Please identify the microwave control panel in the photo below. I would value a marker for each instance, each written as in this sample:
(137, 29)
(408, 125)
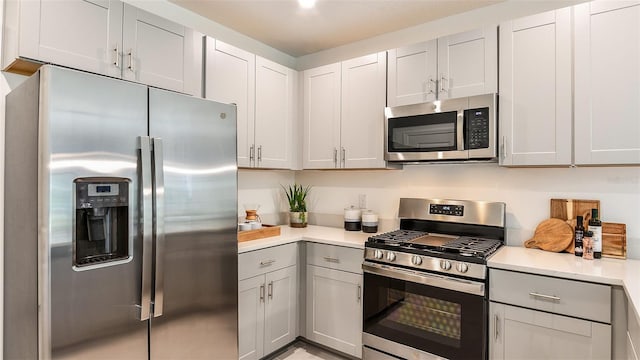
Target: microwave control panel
(477, 128)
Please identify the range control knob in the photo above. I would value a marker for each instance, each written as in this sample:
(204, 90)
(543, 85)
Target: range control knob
(462, 267)
(445, 265)
(416, 260)
(378, 254)
(391, 256)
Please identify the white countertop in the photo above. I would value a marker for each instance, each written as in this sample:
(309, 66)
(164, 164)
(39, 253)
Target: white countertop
(321, 234)
(625, 273)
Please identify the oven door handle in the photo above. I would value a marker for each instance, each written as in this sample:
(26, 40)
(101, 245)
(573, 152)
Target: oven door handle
(444, 282)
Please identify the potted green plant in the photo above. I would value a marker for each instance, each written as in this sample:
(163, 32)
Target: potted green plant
(297, 197)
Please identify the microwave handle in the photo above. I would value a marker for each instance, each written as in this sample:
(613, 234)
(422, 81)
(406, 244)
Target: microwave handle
(462, 130)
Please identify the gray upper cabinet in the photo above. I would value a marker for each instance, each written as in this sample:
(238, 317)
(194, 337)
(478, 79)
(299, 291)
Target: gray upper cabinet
(453, 66)
(607, 83)
(535, 90)
(105, 37)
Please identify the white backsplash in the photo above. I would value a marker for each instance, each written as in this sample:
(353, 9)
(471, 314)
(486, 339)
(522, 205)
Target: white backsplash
(526, 191)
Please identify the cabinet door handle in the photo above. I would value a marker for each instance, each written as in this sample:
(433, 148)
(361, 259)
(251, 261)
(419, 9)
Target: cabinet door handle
(262, 293)
(259, 154)
(271, 290)
(429, 88)
(131, 60)
(267, 262)
(442, 80)
(359, 294)
(545, 297)
(252, 152)
(335, 157)
(344, 157)
(331, 260)
(496, 321)
(116, 62)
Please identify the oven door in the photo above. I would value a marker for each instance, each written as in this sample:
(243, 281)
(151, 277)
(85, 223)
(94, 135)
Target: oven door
(406, 310)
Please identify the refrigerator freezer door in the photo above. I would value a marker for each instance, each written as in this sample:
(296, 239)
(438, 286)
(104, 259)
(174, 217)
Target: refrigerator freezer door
(199, 254)
(88, 128)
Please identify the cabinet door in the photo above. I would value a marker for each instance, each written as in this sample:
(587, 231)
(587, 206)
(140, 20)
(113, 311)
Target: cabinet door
(321, 138)
(334, 309)
(281, 308)
(362, 111)
(85, 35)
(230, 78)
(535, 89)
(607, 86)
(274, 114)
(251, 297)
(468, 63)
(412, 74)
(519, 333)
(160, 53)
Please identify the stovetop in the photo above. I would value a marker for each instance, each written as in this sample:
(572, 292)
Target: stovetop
(414, 241)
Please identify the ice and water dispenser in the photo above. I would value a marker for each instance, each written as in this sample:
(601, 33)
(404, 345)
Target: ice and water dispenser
(101, 231)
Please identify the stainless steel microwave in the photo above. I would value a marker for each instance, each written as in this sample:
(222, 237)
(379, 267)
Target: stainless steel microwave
(452, 129)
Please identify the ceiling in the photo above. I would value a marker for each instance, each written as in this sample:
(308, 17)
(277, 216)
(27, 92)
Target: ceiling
(283, 25)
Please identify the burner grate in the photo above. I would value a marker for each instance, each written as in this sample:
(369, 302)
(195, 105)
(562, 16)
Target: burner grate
(469, 246)
(397, 237)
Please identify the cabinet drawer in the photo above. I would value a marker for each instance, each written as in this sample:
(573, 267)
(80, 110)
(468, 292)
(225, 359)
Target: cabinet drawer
(335, 257)
(266, 260)
(561, 296)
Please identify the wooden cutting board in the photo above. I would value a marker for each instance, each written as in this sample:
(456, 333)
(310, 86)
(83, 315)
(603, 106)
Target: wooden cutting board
(551, 235)
(614, 235)
(568, 209)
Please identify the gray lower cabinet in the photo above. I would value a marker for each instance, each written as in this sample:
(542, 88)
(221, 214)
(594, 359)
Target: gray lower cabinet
(540, 317)
(267, 302)
(519, 333)
(633, 335)
(334, 297)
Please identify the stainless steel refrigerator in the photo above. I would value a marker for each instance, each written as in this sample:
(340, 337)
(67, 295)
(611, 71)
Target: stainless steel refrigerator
(120, 221)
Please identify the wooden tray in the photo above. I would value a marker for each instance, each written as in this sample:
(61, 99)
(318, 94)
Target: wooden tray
(614, 240)
(264, 232)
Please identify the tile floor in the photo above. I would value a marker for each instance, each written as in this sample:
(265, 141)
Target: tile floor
(301, 350)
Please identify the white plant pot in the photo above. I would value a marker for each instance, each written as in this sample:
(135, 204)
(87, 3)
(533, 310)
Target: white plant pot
(298, 219)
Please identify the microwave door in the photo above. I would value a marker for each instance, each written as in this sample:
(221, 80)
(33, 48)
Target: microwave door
(459, 106)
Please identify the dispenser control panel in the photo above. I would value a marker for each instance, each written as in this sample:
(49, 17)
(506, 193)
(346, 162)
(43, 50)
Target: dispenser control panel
(97, 194)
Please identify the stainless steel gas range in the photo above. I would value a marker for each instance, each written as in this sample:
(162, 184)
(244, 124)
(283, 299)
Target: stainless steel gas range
(426, 284)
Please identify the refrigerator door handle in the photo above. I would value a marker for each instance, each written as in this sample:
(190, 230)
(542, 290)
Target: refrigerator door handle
(158, 221)
(146, 216)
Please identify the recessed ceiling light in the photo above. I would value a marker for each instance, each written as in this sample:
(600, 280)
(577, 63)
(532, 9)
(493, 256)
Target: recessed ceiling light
(307, 4)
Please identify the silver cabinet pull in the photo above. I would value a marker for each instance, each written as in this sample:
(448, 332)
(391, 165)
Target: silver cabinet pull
(335, 157)
(267, 262)
(146, 216)
(130, 54)
(496, 320)
(259, 154)
(359, 295)
(429, 88)
(331, 260)
(252, 151)
(158, 224)
(116, 62)
(503, 147)
(344, 157)
(271, 290)
(442, 80)
(262, 293)
(545, 297)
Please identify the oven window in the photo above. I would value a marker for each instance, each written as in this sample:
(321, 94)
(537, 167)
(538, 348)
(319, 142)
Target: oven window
(431, 132)
(438, 321)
